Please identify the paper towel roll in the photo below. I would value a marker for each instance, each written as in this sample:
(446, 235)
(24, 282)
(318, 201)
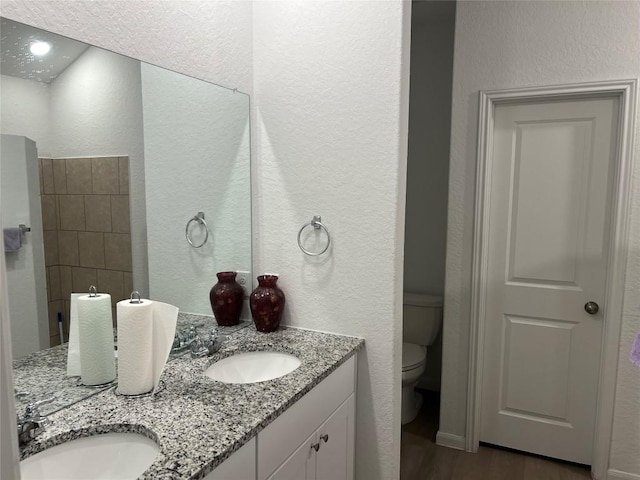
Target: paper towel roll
(73, 350)
(145, 335)
(95, 329)
(135, 347)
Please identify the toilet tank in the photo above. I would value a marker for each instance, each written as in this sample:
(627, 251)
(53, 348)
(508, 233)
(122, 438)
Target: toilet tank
(422, 318)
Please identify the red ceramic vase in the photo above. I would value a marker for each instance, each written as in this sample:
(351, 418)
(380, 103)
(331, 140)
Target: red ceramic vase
(226, 299)
(267, 304)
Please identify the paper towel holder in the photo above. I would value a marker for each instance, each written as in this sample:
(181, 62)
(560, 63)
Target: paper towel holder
(136, 294)
(93, 291)
(161, 387)
(101, 386)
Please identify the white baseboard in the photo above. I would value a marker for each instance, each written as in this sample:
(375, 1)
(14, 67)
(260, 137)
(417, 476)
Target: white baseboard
(450, 440)
(618, 475)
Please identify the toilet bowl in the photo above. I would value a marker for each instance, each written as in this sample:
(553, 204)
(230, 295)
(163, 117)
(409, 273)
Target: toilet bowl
(413, 363)
(422, 319)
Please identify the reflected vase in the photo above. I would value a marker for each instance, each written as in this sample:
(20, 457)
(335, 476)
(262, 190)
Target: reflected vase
(267, 304)
(226, 299)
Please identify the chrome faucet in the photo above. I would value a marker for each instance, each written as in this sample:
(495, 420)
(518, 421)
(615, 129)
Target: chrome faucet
(32, 424)
(183, 339)
(208, 346)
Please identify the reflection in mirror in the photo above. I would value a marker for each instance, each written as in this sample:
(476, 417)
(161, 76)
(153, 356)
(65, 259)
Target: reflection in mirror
(105, 159)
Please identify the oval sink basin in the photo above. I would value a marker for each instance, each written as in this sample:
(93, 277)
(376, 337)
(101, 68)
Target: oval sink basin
(252, 367)
(109, 456)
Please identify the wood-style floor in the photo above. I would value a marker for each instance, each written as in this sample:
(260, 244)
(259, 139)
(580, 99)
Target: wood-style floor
(422, 459)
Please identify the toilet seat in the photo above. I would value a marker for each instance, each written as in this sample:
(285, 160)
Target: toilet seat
(413, 356)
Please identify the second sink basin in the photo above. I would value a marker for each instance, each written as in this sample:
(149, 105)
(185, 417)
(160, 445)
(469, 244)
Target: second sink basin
(108, 456)
(252, 367)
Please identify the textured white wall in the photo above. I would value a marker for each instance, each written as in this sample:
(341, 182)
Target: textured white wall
(26, 287)
(25, 111)
(515, 44)
(197, 158)
(206, 39)
(330, 139)
(96, 110)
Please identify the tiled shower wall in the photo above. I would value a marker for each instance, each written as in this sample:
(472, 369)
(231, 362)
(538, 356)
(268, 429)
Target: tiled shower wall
(87, 241)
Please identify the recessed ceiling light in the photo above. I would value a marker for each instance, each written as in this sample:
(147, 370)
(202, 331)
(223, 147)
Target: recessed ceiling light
(40, 48)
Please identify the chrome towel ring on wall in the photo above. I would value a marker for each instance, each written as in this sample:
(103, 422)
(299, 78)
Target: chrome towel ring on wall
(317, 224)
(199, 218)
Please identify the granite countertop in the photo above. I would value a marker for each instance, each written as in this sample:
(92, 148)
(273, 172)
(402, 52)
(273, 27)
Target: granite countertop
(199, 422)
(43, 374)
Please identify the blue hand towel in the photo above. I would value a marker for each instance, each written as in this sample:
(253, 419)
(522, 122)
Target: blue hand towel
(12, 239)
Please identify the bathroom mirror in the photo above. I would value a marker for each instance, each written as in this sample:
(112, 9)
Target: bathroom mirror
(106, 162)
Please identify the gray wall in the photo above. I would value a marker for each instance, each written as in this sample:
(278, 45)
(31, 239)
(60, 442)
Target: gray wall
(432, 31)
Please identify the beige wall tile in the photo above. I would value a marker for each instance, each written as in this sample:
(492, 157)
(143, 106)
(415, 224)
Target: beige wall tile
(123, 169)
(68, 247)
(105, 175)
(117, 251)
(48, 186)
(97, 210)
(72, 214)
(51, 255)
(55, 307)
(120, 216)
(57, 197)
(47, 274)
(83, 278)
(78, 175)
(128, 284)
(91, 249)
(40, 176)
(67, 318)
(54, 284)
(49, 212)
(111, 282)
(66, 283)
(59, 176)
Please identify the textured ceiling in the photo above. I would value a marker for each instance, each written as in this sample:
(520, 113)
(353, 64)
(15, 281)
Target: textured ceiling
(17, 61)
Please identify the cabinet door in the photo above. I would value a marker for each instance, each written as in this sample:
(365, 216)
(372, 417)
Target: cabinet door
(334, 459)
(299, 466)
(241, 465)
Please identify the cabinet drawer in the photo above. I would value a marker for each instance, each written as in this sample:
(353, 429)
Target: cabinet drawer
(282, 437)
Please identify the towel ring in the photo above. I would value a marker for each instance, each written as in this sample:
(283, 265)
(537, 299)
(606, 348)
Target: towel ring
(200, 219)
(316, 223)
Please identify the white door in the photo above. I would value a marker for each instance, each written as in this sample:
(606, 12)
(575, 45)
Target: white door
(551, 190)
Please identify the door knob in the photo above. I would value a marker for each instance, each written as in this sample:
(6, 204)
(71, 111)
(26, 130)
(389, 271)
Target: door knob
(591, 308)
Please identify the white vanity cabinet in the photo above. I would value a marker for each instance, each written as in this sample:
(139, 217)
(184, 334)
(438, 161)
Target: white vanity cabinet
(325, 455)
(294, 445)
(312, 440)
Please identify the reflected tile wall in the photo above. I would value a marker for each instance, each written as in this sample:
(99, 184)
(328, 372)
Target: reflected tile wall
(86, 223)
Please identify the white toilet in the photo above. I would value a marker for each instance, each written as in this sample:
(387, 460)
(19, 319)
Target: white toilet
(422, 319)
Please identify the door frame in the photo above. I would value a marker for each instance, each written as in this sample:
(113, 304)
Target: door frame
(626, 91)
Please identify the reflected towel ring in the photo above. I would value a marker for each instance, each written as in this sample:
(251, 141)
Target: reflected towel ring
(316, 223)
(200, 219)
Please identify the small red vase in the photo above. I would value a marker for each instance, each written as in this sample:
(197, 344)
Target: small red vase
(267, 304)
(226, 299)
